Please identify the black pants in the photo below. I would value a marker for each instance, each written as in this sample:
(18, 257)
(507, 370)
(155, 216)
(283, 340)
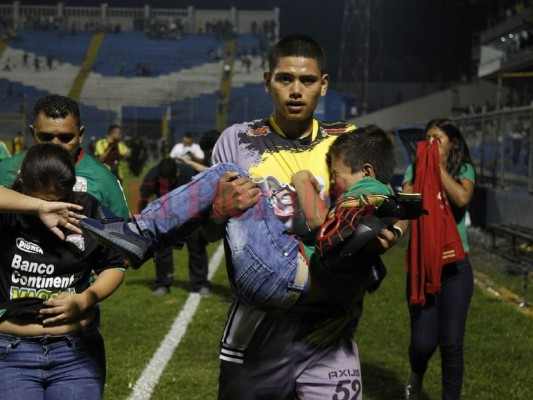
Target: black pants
(164, 267)
(441, 322)
(198, 263)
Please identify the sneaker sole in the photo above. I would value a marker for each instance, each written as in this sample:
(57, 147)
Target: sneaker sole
(134, 254)
(366, 231)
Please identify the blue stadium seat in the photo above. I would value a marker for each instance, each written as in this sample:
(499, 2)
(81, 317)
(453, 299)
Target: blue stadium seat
(133, 50)
(62, 46)
(196, 115)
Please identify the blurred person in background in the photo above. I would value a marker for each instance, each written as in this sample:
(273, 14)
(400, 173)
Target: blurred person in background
(206, 143)
(111, 150)
(56, 119)
(187, 149)
(4, 151)
(157, 182)
(19, 143)
(196, 243)
(138, 155)
(440, 279)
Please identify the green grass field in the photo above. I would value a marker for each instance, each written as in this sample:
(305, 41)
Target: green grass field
(498, 348)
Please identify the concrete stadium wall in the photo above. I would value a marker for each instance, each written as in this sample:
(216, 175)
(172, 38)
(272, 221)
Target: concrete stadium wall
(436, 105)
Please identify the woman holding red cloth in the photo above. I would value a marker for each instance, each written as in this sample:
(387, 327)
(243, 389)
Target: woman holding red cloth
(439, 275)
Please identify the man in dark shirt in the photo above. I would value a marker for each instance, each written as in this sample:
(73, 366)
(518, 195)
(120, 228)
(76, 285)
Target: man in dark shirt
(158, 181)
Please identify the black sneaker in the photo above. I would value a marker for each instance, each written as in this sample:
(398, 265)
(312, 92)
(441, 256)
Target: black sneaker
(350, 224)
(134, 247)
(106, 216)
(346, 256)
(405, 206)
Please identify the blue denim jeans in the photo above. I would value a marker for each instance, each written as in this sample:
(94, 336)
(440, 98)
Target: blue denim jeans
(53, 367)
(262, 257)
(441, 322)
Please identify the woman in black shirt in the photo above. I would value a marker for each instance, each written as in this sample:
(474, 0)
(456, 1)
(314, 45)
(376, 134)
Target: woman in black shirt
(50, 346)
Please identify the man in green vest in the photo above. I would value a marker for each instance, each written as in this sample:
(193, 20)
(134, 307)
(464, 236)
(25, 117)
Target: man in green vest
(4, 151)
(56, 119)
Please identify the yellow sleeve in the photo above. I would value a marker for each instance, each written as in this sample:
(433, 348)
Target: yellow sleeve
(123, 149)
(100, 147)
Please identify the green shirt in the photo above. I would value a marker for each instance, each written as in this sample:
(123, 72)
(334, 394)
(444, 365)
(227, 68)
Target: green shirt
(466, 172)
(368, 186)
(364, 186)
(350, 286)
(4, 152)
(91, 176)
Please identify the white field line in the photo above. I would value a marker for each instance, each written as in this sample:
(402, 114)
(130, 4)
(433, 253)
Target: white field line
(146, 383)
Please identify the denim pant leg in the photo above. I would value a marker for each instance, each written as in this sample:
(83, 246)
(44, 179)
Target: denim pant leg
(455, 296)
(441, 322)
(20, 369)
(424, 332)
(264, 258)
(182, 210)
(56, 367)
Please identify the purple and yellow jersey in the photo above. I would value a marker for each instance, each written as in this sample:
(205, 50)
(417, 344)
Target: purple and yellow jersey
(262, 149)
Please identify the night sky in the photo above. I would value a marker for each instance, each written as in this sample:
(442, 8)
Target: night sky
(411, 40)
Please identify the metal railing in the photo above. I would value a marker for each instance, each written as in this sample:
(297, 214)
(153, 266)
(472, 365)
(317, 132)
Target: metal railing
(500, 143)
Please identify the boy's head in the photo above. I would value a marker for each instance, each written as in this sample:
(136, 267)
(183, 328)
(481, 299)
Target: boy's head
(366, 152)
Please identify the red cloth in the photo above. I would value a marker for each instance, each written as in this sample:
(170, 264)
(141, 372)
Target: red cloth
(434, 239)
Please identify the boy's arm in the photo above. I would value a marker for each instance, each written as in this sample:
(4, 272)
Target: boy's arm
(312, 205)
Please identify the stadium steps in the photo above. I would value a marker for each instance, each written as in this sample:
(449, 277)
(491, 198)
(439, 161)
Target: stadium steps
(113, 92)
(191, 85)
(104, 91)
(57, 80)
(249, 101)
(86, 66)
(197, 114)
(225, 85)
(4, 42)
(61, 46)
(126, 53)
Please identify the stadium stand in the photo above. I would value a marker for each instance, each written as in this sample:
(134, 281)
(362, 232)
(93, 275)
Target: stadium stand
(196, 114)
(133, 54)
(62, 46)
(249, 101)
(129, 66)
